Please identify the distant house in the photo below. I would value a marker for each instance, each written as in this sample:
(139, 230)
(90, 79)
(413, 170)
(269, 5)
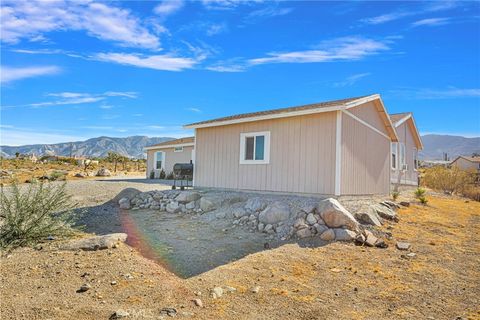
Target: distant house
(404, 160)
(165, 155)
(467, 163)
(340, 147)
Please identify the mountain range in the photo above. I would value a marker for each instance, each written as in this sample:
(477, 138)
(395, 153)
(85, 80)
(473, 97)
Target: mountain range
(435, 146)
(96, 147)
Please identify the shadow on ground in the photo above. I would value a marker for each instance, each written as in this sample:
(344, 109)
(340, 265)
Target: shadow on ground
(186, 244)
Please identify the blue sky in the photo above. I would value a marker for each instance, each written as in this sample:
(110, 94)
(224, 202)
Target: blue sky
(76, 70)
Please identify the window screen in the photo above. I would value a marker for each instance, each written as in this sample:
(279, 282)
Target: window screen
(249, 147)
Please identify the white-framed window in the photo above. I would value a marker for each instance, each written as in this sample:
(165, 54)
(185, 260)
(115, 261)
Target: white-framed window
(415, 158)
(255, 147)
(394, 157)
(402, 159)
(159, 160)
(178, 149)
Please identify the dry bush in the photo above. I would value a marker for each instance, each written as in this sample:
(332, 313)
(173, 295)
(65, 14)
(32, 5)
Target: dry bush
(30, 214)
(472, 192)
(448, 180)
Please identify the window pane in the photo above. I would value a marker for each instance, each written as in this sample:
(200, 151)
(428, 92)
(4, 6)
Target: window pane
(259, 147)
(249, 142)
(158, 160)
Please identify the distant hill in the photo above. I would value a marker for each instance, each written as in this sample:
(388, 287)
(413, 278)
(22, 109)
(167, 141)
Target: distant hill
(435, 145)
(96, 147)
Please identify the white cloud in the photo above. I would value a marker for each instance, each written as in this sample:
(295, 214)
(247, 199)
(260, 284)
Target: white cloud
(167, 7)
(33, 19)
(227, 68)
(9, 74)
(268, 12)
(106, 106)
(196, 110)
(431, 22)
(157, 62)
(428, 93)
(388, 17)
(341, 49)
(215, 29)
(124, 94)
(226, 4)
(351, 80)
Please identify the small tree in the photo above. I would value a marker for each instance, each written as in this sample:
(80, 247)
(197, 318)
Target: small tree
(32, 214)
(114, 158)
(162, 174)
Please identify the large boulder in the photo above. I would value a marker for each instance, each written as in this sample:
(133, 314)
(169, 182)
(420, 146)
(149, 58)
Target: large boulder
(255, 205)
(124, 203)
(384, 212)
(344, 235)
(187, 196)
(275, 213)
(335, 215)
(207, 204)
(173, 207)
(369, 216)
(104, 172)
(96, 243)
(239, 212)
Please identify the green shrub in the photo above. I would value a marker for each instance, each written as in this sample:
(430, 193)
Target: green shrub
(420, 192)
(395, 195)
(170, 176)
(162, 174)
(57, 175)
(31, 214)
(423, 200)
(152, 174)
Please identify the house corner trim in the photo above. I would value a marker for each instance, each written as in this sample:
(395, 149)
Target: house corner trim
(338, 154)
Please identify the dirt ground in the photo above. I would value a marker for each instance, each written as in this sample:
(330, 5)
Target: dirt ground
(336, 281)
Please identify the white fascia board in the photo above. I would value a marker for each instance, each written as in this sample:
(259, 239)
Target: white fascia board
(399, 122)
(190, 144)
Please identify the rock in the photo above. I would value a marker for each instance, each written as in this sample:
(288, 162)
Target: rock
(103, 173)
(268, 228)
(190, 205)
(328, 235)
(220, 215)
(370, 216)
(239, 212)
(119, 314)
(370, 239)
(198, 303)
(335, 215)
(304, 233)
(217, 292)
(113, 283)
(96, 243)
(309, 208)
(173, 207)
(85, 287)
(255, 289)
(80, 175)
(300, 224)
(124, 203)
(260, 227)
(403, 245)
(255, 205)
(311, 220)
(411, 254)
(405, 204)
(344, 235)
(207, 204)
(384, 212)
(187, 196)
(171, 312)
(390, 204)
(230, 289)
(321, 228)
(275, 213)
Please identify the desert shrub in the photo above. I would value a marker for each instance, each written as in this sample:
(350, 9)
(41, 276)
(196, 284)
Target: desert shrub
(170, 176)
(423, 200)
(31, 214)
(448, 180)
(57, 175)
(152, 174)
(420, 192)
(162, 174)
(472, 192)
(395, 195)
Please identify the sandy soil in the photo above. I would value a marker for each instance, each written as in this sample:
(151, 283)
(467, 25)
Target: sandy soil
(337, 281)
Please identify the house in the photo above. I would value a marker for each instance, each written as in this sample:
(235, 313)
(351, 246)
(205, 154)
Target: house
(404, 160)
(165, 155)
(340, 147)
(467, 163)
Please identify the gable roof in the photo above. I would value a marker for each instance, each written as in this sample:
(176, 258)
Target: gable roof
(399, 118)
(186, 141)
(471, 159)
(326, 106)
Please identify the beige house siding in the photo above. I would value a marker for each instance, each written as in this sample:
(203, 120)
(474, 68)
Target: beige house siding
(365, 165)
(405, 135)
(171, 158)
(464, 164)
(302, 156)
